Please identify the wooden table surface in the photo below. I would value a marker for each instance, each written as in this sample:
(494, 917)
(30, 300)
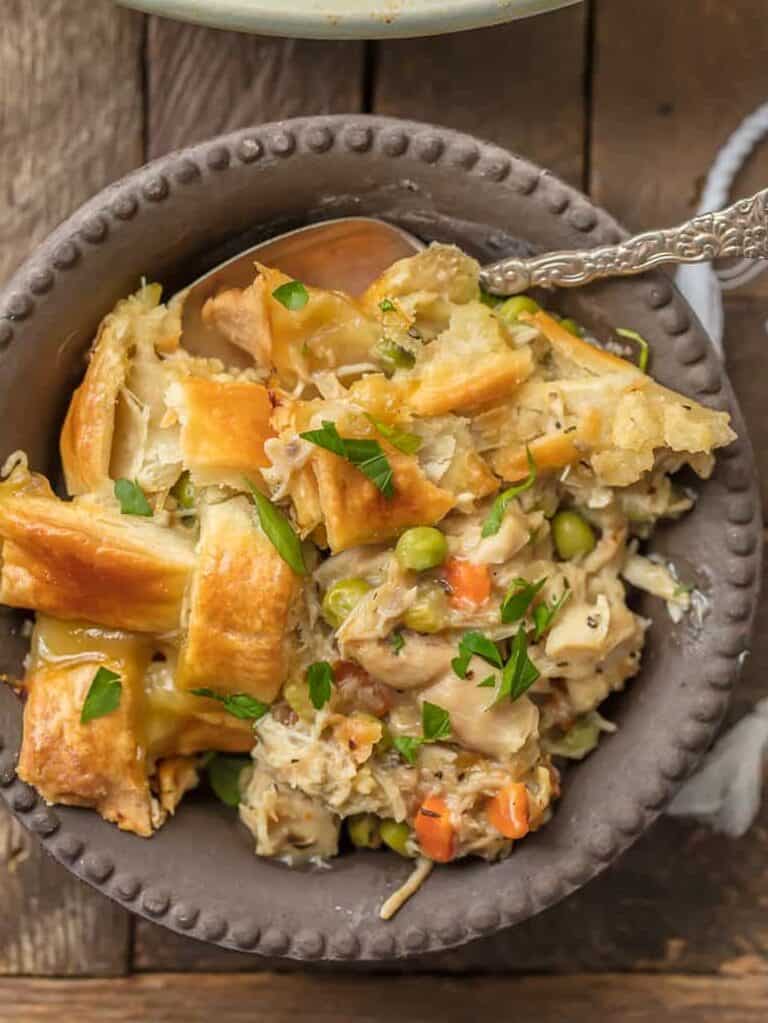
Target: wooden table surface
(628, 100)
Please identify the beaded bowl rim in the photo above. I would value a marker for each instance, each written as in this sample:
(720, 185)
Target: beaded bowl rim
(85, 234)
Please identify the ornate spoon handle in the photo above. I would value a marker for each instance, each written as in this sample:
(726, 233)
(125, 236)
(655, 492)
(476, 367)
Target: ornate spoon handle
(739, 230)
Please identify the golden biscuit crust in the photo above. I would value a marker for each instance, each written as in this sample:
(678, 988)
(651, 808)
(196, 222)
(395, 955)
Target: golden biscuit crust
(224, 424)
(239, 607)
(80, 559)
(356, 512)
(101, 764)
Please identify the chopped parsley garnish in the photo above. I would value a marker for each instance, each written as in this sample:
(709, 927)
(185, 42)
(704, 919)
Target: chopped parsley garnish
(278, 531)
(642, 344)
(519, 672)
(397, 639)
(408, 443)
(407, 746)
(132, 499)
(224, 776)
(366, 455)
(435, 725)
(387, 305)
(435, 722)
(239, 705)
(519, 598)
(293, 295)
(475, 644)
(487, 683)
(103, 696)
(544, 614)
(320, 682)
(492, 524)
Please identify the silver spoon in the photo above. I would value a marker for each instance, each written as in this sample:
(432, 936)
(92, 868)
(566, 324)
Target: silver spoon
(351, 252)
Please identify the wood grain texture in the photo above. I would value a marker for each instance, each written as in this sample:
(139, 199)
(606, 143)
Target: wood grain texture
(521, 85)
(271, 998)
(666, 96)
(70, 112)
(70, 122)
(51, 923)
(202, 81)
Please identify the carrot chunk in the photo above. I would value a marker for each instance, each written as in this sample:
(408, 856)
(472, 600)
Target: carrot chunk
(434, 830)
(470, 583)
(508, 810)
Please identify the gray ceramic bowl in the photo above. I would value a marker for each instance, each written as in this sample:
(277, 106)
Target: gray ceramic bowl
(170, 220)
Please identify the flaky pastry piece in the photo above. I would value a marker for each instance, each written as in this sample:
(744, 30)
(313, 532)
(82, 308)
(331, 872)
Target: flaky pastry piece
(600, 410)
(117, 763)
(239, 607)
(330, 332)
(88, 433)
(469, 364)
(352, 508)
(103, 763)
(424, 289)
(224, 425)
(83, 559)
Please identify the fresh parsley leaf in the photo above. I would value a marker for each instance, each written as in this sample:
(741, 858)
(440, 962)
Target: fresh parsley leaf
(642, 344)
(487, 683)
(492, 524)
(519, 598)
(278, 531)
(387, 305)
(293, 295)
(224, 777)
(544, 615)
(397, 639)
(103, 696)
(408, 443)
(407, 746)
(519, 672)
(435, 725)
(320, 682)
(239, 705)
(132, 498)
(475, 643)
(366, 455)
(435, 722)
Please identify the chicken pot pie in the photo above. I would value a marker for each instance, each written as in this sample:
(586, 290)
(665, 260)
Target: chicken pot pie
(373, 585)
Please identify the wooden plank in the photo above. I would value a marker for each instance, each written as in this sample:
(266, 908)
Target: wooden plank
(70, 122)
(202, 81)
(70, 112)
(670, 85)
(272, 998)
(520, 85)
(53, 924)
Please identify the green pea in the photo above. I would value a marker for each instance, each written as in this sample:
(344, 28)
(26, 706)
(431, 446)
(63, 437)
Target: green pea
(341, 599)
(396, 834)
(393, 356)
(572, 326)
(427, 613)
(572, 534)
(492, 301)
(184, 491)
(363, 830)
(511, 309)
(421, 548)
(296, 695)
